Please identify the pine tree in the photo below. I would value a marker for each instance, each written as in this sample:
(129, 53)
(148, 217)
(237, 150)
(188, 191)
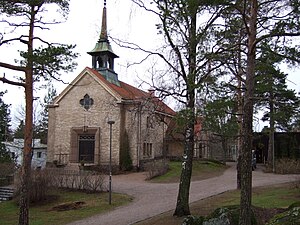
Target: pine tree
(40, 63)
(42, 124)
(19, 132)
(4, 129)
(278, 103)
(219, 119)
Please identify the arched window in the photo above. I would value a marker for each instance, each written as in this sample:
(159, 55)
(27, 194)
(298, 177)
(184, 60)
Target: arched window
(110, 64)
(100, 62)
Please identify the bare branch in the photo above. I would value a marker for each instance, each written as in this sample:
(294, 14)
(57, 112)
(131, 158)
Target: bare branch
(12, 67)
(4, 80)
(15, 39)
(133, 46)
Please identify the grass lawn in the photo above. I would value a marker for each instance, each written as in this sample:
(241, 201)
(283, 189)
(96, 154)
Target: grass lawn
(44, 214)
(279, 196)
(202, 169)
(98, 202)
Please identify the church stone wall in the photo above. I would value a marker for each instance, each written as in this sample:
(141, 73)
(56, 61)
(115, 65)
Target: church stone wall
(69, 117)
(70, 114)
(140, 132)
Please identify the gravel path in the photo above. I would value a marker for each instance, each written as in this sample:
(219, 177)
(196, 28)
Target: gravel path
(151, 199)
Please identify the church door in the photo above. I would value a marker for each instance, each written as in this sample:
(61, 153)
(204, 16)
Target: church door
(86, 148)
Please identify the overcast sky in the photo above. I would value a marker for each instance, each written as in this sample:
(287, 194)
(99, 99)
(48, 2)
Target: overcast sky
(125, 21)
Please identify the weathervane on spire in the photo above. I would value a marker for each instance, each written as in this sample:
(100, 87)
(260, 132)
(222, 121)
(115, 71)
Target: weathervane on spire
(103, 34)
(103, 55)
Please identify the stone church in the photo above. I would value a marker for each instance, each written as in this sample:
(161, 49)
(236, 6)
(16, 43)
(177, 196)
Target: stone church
(97, 113)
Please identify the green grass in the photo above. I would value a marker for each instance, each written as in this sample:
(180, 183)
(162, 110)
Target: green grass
(279, 197)
(202, 169)
(44, 215)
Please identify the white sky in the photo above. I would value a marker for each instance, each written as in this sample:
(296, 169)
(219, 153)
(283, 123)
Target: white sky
(125, 21)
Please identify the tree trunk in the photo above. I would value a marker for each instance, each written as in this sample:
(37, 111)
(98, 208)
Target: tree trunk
(246, 156)
(27, 152)
(240, 112)
(182, 206)
(271, 134)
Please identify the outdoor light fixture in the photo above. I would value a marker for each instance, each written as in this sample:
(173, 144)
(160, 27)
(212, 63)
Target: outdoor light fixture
(110, 173)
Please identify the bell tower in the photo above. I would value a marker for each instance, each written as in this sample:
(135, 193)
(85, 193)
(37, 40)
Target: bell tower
(103, 55)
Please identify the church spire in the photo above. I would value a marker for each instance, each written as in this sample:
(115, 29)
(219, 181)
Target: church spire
(103, 55)
(103, 34)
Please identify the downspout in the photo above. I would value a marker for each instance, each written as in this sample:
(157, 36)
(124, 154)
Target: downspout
(139, 131)
(163, 140)
(99, 146)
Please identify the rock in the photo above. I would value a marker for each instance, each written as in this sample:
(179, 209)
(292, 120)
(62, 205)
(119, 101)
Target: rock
(295, 204)
(193, 220)
(290, 217)
(221, 216)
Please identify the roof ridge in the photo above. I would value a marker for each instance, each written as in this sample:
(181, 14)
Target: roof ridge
(130, 92)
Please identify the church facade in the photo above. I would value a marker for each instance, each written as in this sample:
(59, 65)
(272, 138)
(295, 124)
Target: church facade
(98, 114)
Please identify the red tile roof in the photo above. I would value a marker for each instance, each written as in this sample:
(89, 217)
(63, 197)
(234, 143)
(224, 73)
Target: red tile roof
(128, 92)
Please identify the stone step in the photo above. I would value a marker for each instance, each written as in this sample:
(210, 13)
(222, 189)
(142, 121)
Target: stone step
(6, 193)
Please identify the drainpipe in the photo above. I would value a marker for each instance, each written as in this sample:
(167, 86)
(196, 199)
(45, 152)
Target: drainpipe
(99, 146)
(139, 131)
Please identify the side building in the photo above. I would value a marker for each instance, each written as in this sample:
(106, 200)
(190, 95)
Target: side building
(39, 152)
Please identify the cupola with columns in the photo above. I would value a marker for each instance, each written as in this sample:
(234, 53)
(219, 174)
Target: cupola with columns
(103, 55)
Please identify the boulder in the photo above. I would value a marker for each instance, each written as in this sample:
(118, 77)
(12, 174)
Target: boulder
(222, 216)
(193, 220)
(289, 217)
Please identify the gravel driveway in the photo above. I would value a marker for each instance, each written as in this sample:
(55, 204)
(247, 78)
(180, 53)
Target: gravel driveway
(151, 199)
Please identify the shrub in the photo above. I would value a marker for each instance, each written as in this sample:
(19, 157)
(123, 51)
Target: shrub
(7, 170)
(287, 166)
(39, 186)
(156, 168)
(125, 159)
(42, 181)
(90, 181)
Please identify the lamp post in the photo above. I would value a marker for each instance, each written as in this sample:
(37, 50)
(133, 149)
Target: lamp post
(110, 173)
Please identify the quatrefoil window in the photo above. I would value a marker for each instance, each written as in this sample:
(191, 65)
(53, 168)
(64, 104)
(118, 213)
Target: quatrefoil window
(86, 102)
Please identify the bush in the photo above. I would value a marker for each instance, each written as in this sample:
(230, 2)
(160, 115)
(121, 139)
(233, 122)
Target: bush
(39, 186)
(156, 168)
(90, 181)
(42, 181)
(125, 158)
(287, 166)
(7, 170)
